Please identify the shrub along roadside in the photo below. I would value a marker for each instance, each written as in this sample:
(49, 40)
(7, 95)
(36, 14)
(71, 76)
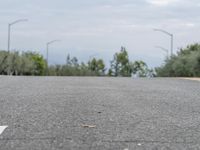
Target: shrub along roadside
(185, 64)
(26, 63)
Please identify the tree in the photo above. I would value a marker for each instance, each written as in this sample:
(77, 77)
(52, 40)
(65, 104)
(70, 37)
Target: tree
(13, 62)
(97, 66)
(39, 63)
(74, 62)
(3, 62)
(120, 64)
(68, 60)
(140, 69)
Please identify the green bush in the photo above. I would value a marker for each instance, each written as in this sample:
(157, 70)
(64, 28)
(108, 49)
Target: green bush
(185, 64)
(26, 63)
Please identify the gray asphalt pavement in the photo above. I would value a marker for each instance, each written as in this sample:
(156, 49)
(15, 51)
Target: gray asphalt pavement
(86, 113)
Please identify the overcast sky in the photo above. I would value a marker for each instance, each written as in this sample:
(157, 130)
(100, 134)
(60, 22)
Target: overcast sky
(100, 27)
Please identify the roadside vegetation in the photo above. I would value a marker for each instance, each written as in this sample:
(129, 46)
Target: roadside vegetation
(26, 63)
(31, 63)
(122, 66)
(186, 63)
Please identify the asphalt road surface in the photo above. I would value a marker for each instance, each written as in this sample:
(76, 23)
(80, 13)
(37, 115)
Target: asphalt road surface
(86, 113)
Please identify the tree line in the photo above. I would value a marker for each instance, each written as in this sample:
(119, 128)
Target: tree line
(186, 63)
(32, 63)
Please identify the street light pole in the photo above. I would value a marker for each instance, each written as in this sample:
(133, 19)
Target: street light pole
(9, 30)
(8, 37)
(164, 49)
(49, 43)
(172, 44)
(172, 38)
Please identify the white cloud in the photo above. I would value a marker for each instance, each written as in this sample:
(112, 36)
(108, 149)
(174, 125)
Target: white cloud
(161, 2)
(190, 25)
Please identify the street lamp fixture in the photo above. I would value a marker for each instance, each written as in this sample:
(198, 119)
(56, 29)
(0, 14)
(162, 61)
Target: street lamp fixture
(164, 49)
(171, 35)
(49, 43)
(9, 30)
